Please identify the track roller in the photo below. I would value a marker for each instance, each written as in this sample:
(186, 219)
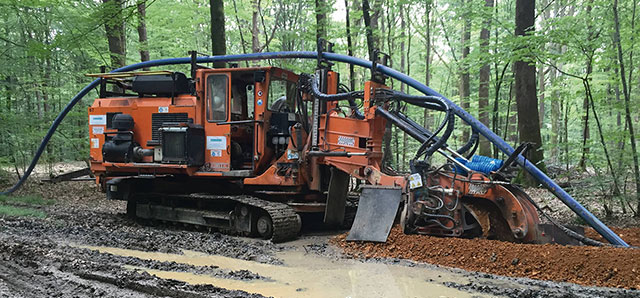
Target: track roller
(243, 214)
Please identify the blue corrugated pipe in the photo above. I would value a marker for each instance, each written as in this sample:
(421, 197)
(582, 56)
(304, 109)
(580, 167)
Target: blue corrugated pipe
(482, 129)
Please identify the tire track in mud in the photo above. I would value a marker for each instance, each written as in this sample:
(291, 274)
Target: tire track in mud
(38, 259)
(36, 267)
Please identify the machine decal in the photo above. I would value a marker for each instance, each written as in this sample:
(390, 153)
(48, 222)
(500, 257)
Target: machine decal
(97, 119)
(216, 153)
(163, 109)
(292, 154)
(97, 130)
(415, 181)
(346, 141)
(216, 142)
(95, 143)
(478, 189)
(259, 100)
(219, 166)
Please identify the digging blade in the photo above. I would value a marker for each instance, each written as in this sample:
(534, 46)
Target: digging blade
(376, 212)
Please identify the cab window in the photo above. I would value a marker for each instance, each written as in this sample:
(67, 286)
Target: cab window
(282, 96)
(217, 86)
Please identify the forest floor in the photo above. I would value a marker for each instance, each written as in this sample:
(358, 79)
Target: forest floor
(66, 240)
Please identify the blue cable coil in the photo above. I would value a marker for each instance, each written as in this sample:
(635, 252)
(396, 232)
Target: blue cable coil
(479, 163)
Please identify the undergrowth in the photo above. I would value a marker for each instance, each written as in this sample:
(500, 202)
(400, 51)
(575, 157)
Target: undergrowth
(23, 205)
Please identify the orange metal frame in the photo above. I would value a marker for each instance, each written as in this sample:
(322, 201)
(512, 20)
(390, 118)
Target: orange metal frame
(336, 133)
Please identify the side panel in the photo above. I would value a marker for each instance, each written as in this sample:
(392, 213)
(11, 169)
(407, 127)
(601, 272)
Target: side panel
(142, 111)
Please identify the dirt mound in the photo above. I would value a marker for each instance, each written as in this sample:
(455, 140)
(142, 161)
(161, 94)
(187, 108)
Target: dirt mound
(629, 235)
(585, 265)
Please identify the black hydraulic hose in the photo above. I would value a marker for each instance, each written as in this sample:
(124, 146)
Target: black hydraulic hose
(302, 109)
(428, 102)
(311, 84)
(354, 107)
(414, 130)
(49, 134)
(427, 150)
(424, 131)
(348, 96)
(472, 142)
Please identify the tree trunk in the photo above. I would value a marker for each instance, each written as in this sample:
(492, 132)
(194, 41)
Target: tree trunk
(427, 58)
(483, 88)
(371, 25)
(352, 81)
(405, 137)
(255, 32)
(525, 87)
(142, 32)
(114, 27)
(464, 87)
(321, 16)
(585, 103)
(218, 38)
(541, 82)
(541, 73)
(387, 155)
(585, 127)
(626, 92)
(555, 119)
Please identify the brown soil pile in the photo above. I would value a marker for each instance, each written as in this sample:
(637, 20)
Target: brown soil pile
(585, 265)
(629, 235)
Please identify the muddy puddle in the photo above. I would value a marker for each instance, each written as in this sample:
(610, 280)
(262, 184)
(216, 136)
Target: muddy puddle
(308, 275)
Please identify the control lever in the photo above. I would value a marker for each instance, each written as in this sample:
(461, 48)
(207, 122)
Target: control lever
(504, 172)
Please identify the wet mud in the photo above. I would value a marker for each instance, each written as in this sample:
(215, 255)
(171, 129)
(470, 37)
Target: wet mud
(87, 247)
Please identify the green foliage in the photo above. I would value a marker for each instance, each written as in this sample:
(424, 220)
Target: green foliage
(21, 205)
(9, 210)
(33, 200)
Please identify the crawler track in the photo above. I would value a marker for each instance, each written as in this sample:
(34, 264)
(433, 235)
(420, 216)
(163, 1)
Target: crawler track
(286, 223)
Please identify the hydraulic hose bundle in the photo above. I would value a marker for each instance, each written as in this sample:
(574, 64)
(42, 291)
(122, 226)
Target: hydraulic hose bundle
(428, 147)
(435, 103)
(310, 83)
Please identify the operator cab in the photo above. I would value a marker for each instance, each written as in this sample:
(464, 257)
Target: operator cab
(247, 106)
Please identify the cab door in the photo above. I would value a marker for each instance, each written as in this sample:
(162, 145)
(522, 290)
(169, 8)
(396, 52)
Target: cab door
(217, 99)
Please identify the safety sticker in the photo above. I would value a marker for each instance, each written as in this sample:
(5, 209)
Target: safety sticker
(163, 109)
(216, 153)
(346, 141)
(259, 102)
(95, 143)
(216, 142)
(97, 119)
(97, 130)
(292, 154)
(415, 181)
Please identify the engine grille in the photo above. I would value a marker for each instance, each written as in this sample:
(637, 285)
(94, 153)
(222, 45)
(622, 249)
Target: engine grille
(160, 119)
